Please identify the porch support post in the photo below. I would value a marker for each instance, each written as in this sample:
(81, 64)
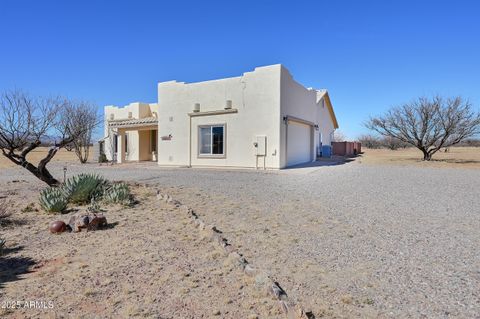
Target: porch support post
(121, 146)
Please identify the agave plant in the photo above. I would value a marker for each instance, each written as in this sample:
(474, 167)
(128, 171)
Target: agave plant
(94, 207)
(53, 200)
(118, 193)
(82, 188)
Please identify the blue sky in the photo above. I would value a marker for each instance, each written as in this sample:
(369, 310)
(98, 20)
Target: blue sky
(369, 54)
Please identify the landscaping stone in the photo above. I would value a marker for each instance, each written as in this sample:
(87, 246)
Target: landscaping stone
(250, 271)
(57, 227)
(262, 279)
(88, 221)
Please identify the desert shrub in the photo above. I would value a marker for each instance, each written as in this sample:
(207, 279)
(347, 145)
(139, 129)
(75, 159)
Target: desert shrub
(29, 208)
(370, 141)
(392, 143)
(4, 213)
(53, 200)
(102, 158)
(82, 188)
(471, 142)
(118, 194)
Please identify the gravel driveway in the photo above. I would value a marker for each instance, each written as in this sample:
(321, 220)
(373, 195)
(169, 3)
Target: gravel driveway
(351, 240)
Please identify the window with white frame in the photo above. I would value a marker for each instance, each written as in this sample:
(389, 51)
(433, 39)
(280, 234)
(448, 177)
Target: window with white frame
(211, 140)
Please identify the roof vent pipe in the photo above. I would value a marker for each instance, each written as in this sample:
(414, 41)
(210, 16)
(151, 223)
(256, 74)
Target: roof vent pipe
(196, 107)
(228, 105)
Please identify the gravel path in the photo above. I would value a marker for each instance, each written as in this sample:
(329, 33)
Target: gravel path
(351, 240)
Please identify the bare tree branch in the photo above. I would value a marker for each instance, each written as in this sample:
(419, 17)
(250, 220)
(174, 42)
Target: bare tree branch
(82, 121)
(429, 124)
(27, 122)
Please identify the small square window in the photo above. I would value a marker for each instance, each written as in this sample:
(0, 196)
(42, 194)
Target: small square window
(212, 140)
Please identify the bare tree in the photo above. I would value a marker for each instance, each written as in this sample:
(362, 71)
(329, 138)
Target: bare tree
(471, 142)
(370, 141)
(429, 124)
(26, 123)
(82, 118)
(392, 143)
(338, 136)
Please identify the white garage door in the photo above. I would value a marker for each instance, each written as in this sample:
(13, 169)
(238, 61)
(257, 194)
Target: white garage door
(298, 143)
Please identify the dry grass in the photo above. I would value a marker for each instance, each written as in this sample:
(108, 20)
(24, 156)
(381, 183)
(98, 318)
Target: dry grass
(36, 155)
(457, 157)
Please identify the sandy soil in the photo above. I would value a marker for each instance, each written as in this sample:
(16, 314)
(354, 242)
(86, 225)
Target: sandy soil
(36, 155)
(149, 263)
(396, 239)
(456, 157)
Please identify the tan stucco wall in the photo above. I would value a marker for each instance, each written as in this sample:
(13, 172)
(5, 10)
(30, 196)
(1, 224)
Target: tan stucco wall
(139, 110)
(256, 95)
(300, 102)
(262, 98)
(144, 142)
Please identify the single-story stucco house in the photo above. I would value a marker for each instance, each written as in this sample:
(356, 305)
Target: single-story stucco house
(261, 119)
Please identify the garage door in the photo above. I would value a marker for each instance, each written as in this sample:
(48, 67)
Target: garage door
(298, 143)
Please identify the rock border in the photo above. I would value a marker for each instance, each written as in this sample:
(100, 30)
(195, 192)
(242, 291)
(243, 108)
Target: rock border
(263, 280)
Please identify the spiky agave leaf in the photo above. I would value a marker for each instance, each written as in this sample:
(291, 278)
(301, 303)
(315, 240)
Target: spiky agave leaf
(82, 188)
(53, 200)
(118, 194)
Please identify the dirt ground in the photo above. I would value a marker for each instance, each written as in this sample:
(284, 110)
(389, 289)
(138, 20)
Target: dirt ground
(384, 236)
(150, 262)
(460, 157)
(36, 155)
(456, 157)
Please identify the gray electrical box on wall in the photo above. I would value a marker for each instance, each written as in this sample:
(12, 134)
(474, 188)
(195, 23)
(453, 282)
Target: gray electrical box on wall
(260, 145)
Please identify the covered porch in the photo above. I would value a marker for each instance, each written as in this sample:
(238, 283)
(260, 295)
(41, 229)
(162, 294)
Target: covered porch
(134, 139)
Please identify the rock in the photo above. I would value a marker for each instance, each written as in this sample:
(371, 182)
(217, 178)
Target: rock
(229, 248)
(57, 227)
(250, 271)
(297, 312)
(88, 221)
(234, 255)
(197, 222)
(277, 292)
(98, 221)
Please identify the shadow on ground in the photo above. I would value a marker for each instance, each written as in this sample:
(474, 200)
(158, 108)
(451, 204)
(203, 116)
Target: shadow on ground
(13, 268)
(110, 225)
(331, 161)
(434, 160)
(456, 161)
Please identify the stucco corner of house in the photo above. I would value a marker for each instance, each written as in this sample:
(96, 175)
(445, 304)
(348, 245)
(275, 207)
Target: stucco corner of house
(261, 119)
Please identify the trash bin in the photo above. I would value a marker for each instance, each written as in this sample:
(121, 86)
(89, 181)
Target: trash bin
(326, 151)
